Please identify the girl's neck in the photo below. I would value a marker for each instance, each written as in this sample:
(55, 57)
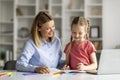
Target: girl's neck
(80, 41)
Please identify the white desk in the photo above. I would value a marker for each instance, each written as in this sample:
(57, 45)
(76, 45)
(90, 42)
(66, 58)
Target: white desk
(78, 76)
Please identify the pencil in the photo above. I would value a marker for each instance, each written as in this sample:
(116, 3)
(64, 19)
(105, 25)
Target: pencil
(58, 73)
(6, 74)
(10, 75)
(3, 75)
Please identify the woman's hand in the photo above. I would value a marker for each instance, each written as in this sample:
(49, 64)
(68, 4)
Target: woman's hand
(66, 67)
(42, 70)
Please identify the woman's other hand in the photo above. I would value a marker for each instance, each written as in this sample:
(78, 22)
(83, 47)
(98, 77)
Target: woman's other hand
(42, 70)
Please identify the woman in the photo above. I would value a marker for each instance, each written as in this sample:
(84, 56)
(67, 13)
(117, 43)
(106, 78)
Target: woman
(42, 50)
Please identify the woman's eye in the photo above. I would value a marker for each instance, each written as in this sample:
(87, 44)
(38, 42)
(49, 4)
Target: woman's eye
(47, 29)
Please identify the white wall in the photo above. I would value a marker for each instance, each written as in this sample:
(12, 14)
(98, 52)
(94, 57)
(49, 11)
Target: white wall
(111, 23)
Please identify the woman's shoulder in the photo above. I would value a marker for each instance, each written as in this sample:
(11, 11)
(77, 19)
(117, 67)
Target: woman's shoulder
(56, 38)
(29, 40)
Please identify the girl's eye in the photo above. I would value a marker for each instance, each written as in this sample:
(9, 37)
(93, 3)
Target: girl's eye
(53, 27)
(74, 32)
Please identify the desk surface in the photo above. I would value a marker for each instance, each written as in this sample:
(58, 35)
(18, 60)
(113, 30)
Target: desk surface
(68, 76)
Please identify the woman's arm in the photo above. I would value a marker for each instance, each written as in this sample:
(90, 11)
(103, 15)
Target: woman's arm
(22, 63)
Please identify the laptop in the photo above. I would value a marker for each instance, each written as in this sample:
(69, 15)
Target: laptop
(109, 62)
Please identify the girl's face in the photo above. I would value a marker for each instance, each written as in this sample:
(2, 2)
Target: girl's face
(78, 33)
(47, 29)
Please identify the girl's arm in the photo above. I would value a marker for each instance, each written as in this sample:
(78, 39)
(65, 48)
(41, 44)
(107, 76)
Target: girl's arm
(92, 66)
(66, 66)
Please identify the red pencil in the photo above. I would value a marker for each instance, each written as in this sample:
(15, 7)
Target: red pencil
(3, 75)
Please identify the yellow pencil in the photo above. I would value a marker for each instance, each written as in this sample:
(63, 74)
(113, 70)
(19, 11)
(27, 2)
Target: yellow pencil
(9, 73)
(58, 73)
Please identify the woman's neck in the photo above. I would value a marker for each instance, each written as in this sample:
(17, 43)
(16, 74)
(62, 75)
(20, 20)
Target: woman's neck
(47, 39)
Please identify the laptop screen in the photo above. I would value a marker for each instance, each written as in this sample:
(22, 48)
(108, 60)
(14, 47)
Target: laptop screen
(109, 62)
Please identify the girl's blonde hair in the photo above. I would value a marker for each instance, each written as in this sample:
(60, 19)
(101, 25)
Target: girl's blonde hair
(82, 22)
(39, 20)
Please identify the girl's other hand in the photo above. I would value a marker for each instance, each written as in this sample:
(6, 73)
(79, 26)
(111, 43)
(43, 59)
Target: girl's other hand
(80, 66)
(66, 67)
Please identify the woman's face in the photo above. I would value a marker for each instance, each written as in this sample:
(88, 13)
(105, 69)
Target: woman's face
(78, 33)
(47, 29)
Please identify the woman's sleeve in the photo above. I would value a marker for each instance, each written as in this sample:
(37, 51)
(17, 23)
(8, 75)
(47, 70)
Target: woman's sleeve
(22, 63)
(61, 61)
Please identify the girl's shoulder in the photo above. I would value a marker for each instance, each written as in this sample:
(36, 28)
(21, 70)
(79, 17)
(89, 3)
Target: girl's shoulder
(68, 43)
(87, 42)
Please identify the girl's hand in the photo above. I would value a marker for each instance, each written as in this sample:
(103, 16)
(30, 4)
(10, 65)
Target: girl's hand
(66, 67)
(81, 66)
(42, 70)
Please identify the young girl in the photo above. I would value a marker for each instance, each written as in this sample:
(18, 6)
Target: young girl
(80, 52)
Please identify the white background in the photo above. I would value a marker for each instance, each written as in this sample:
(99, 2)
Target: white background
(111, 23)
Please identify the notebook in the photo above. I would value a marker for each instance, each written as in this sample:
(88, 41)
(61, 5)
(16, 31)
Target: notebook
(109, 62)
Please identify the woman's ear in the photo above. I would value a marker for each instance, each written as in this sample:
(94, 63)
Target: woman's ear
(39, 29)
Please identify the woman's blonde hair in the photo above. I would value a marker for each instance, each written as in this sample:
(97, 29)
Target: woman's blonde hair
(40, 19)
(82, 22)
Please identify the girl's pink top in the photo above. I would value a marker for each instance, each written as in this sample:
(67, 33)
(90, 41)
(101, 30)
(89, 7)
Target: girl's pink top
(80, 53)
